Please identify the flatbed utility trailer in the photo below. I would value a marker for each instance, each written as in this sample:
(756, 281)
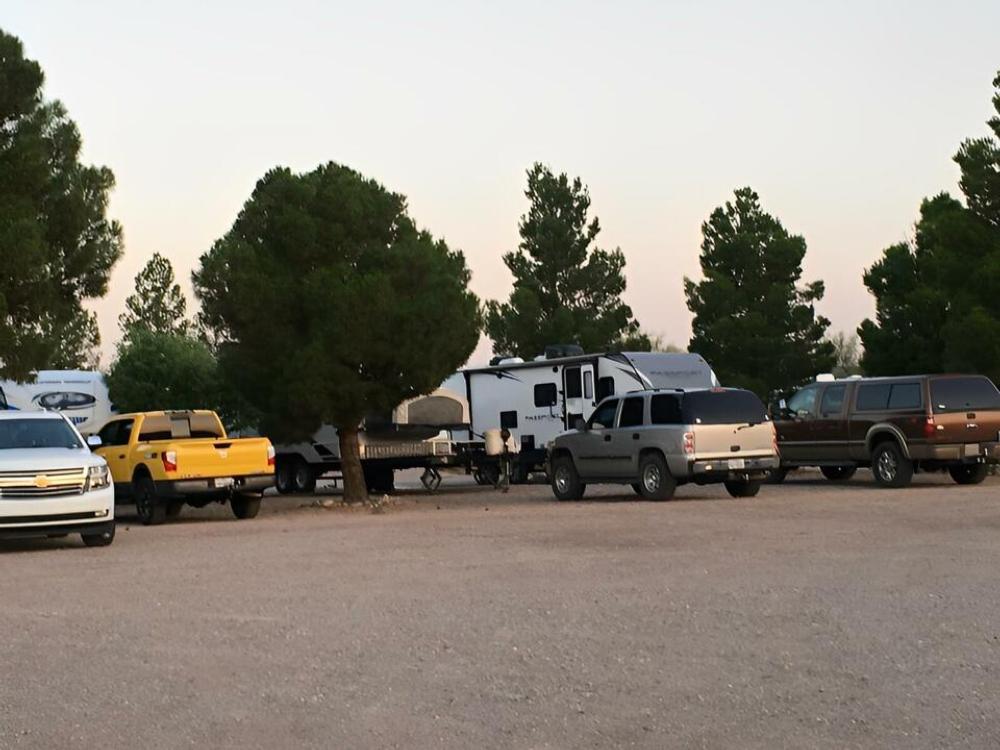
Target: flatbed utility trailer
(415, 436)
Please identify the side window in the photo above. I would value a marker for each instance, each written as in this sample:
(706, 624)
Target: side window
(804, 401)
(545, 394)
(905, 396)
(588, 385)
(574, 388)
(632, 412)
(109, 433)
(508, 420)
(604, 416)
(873, 396)
(605, 387)
(665, 410)
(833, 400)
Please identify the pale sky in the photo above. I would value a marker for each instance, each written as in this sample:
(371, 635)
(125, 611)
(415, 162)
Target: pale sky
(841, 115)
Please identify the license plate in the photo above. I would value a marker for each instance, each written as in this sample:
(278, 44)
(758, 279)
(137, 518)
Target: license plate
(224, 482)
(737, 463)
(972, 449)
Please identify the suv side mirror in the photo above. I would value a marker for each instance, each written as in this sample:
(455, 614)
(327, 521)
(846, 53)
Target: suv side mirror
(579, 425)
(94, 441)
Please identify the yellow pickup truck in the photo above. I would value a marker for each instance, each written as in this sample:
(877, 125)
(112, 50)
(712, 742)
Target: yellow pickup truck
(161, 460)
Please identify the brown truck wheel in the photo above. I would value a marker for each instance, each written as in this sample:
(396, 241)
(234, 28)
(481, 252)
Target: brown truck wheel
(151, 510)
(968, 473)
(890, 466)
(838, 473)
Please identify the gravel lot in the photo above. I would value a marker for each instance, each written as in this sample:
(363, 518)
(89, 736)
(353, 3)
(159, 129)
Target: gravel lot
(814, 615)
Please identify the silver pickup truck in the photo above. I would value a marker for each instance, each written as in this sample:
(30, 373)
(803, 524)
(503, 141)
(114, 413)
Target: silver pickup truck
(657, 440)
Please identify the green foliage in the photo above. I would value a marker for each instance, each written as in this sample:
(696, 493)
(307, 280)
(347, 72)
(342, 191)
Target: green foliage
(157, 304)
(938, 297)
(329, 304)
(164, 371)
(565, 290)
(58, 245)
(752, 322)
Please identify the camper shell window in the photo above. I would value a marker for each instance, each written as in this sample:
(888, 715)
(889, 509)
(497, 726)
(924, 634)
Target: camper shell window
(178, 426)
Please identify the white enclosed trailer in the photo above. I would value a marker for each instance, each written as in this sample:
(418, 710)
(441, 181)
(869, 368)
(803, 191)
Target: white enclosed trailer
(80, 395)
(535, 401)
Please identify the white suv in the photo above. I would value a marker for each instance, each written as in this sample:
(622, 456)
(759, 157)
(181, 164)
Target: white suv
(50, 483)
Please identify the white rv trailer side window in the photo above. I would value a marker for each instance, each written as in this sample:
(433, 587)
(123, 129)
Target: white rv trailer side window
(546, 394)
(588, 384)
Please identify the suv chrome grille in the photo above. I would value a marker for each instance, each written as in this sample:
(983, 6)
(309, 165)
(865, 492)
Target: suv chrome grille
(35, 484)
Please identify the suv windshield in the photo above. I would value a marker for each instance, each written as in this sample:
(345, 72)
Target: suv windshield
(722, 407)
(37, 433)
(964, 394)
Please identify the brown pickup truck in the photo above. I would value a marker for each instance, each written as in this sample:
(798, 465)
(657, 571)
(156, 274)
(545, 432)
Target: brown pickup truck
(895, 426)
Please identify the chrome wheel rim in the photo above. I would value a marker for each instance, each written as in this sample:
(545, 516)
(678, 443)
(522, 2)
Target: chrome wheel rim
(651, 478)
(562, 479)
(887, 466)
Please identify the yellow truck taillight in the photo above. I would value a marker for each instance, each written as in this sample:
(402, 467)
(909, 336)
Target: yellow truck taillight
(169, 460)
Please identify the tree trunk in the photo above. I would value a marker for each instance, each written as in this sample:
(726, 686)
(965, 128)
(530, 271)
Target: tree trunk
(355, 487)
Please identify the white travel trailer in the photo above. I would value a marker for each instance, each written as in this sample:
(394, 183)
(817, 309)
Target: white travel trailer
(537, 400)
(80, 395)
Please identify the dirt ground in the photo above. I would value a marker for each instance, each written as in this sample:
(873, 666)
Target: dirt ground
(815, 615)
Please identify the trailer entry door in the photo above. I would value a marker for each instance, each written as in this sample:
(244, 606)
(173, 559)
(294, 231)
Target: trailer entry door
(578, 393)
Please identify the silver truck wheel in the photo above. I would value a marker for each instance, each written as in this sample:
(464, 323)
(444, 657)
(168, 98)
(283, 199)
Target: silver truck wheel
(655, 480)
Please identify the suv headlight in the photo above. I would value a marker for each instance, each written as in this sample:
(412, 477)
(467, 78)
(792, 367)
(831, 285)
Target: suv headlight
(98, 478)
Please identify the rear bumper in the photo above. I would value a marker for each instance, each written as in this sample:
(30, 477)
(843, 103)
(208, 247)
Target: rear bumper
(53, 515)
(963, 452)
(721, 469)
(212, 487)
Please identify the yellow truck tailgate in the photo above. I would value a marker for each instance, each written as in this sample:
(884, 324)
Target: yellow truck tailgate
(209, 458)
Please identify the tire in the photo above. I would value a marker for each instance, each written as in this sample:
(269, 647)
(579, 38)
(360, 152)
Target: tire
(566, 484)
(777, 476)
(152, 511)
(284, 477)
(245, 506)
(838, 473)
(742, 487)
(890, 466)
(655, 480)
(174, 509)
(304, 478)
(103, 539)
(968, 473)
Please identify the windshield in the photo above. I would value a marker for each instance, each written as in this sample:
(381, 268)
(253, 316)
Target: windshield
(722, 407)
(37, 433)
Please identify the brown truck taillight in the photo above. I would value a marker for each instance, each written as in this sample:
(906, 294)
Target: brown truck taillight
(169, 460)
(929, 427)
(270, 455)
(688, 443)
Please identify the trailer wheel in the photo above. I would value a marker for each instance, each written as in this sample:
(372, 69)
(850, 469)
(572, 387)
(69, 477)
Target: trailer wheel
(284, 476)
(304, 478)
